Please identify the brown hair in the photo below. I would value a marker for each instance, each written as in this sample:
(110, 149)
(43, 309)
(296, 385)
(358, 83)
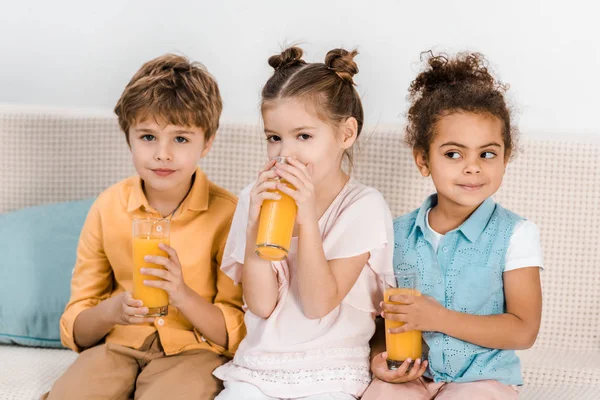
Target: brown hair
(450, 85)
(175, 89)
(329, 84)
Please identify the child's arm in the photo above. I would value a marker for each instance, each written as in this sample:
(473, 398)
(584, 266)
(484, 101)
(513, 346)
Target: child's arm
(205, 316)
(323, 284)
(93, 324)
(516, 329)
(91, 312)
(259, 280)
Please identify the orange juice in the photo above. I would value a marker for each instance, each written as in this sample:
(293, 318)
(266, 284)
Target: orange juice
(401, 346)
(276, 226)
(157, 300)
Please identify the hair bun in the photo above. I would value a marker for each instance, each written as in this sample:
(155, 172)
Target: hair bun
(287, 58)
(465, 69)
(341, 62)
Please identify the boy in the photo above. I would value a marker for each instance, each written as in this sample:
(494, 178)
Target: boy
(169, 113)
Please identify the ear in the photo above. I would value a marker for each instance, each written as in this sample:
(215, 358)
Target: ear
(207, 145)
(421, 160)
(349, 132)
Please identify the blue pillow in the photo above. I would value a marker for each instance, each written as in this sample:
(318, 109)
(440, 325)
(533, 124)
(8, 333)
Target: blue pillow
(39, 247)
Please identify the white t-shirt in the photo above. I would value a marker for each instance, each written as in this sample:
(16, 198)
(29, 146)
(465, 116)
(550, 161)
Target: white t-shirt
(524, 249)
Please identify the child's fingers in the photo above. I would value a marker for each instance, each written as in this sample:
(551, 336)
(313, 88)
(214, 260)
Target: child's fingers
(170, 252)
(290, 178)
(159, 273)
(267, 175)
(269, 196)
(130, 301)
(131, 312)
(159, 284)
(414, 371)
(265, 186)
(395, 308)
(401, 329)
(297, 170)
(288, 190)
(267, 166)
(303, 168)
(402, 298)
(395, 316)
(422, 369)
(157, 260)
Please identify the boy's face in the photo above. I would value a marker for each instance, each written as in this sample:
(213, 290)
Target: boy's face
(466, 158)
(165, 156)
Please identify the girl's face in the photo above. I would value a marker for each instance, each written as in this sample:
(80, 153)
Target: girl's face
(466, 159)
(293, 129)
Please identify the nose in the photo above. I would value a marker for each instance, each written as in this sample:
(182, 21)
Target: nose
(163, 152)
(472, 167)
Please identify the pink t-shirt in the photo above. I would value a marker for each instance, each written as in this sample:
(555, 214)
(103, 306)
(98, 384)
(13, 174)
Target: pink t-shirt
(289, 355)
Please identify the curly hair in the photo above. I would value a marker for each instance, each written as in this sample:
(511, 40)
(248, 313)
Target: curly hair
(449, 85)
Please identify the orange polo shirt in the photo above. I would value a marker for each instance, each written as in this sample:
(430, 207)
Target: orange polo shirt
(104, 266)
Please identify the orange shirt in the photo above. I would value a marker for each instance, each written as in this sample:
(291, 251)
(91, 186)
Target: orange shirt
(104, 266)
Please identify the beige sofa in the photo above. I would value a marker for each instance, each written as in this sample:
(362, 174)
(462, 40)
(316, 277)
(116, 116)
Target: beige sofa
(57, 155)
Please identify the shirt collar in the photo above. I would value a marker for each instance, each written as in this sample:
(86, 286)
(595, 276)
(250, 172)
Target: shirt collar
(472, 228)
(196, 200)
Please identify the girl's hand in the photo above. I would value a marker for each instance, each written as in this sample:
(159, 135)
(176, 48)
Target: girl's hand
(262, 190)
(421, 313)
(172, 278)
(400, 375)
(299, 176)
(125, 310)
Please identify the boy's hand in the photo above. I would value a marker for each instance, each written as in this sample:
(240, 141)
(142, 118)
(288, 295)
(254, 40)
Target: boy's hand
(400, 375)
(421, 313)
(172, 278)
(299, 176)
(262, 190)
(124, 309)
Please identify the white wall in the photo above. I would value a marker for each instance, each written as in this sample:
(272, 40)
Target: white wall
(75, 53)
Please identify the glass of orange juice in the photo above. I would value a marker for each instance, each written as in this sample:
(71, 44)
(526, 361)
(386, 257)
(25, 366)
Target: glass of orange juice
(401, 346)
(147, 234)
(276, 225)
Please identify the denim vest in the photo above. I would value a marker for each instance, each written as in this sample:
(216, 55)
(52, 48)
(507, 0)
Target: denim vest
(465, 276)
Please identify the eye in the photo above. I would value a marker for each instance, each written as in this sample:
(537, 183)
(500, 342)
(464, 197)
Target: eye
(273, 138)
(488, 154)
(304, 136)
(147, 138)
(455, 155)
(181, 139)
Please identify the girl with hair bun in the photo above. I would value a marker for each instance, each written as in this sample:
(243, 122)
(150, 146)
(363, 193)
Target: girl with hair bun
(309, 316)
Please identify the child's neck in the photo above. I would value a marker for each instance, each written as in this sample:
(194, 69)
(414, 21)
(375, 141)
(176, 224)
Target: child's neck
(167, 202)
(447, 215)
(328, 190)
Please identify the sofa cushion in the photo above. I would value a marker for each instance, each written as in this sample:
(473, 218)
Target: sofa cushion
(39, 250)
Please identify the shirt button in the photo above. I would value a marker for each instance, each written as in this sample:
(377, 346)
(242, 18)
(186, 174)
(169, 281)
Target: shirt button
(437, 341)
(439, 280)
(160, 322)
(445, 249)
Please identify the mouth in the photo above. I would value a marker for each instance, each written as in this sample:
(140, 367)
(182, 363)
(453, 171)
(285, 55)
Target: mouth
(163, 171)
(470, 187)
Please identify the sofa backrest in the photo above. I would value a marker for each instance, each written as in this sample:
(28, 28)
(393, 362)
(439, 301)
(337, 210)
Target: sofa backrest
(54, 155)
